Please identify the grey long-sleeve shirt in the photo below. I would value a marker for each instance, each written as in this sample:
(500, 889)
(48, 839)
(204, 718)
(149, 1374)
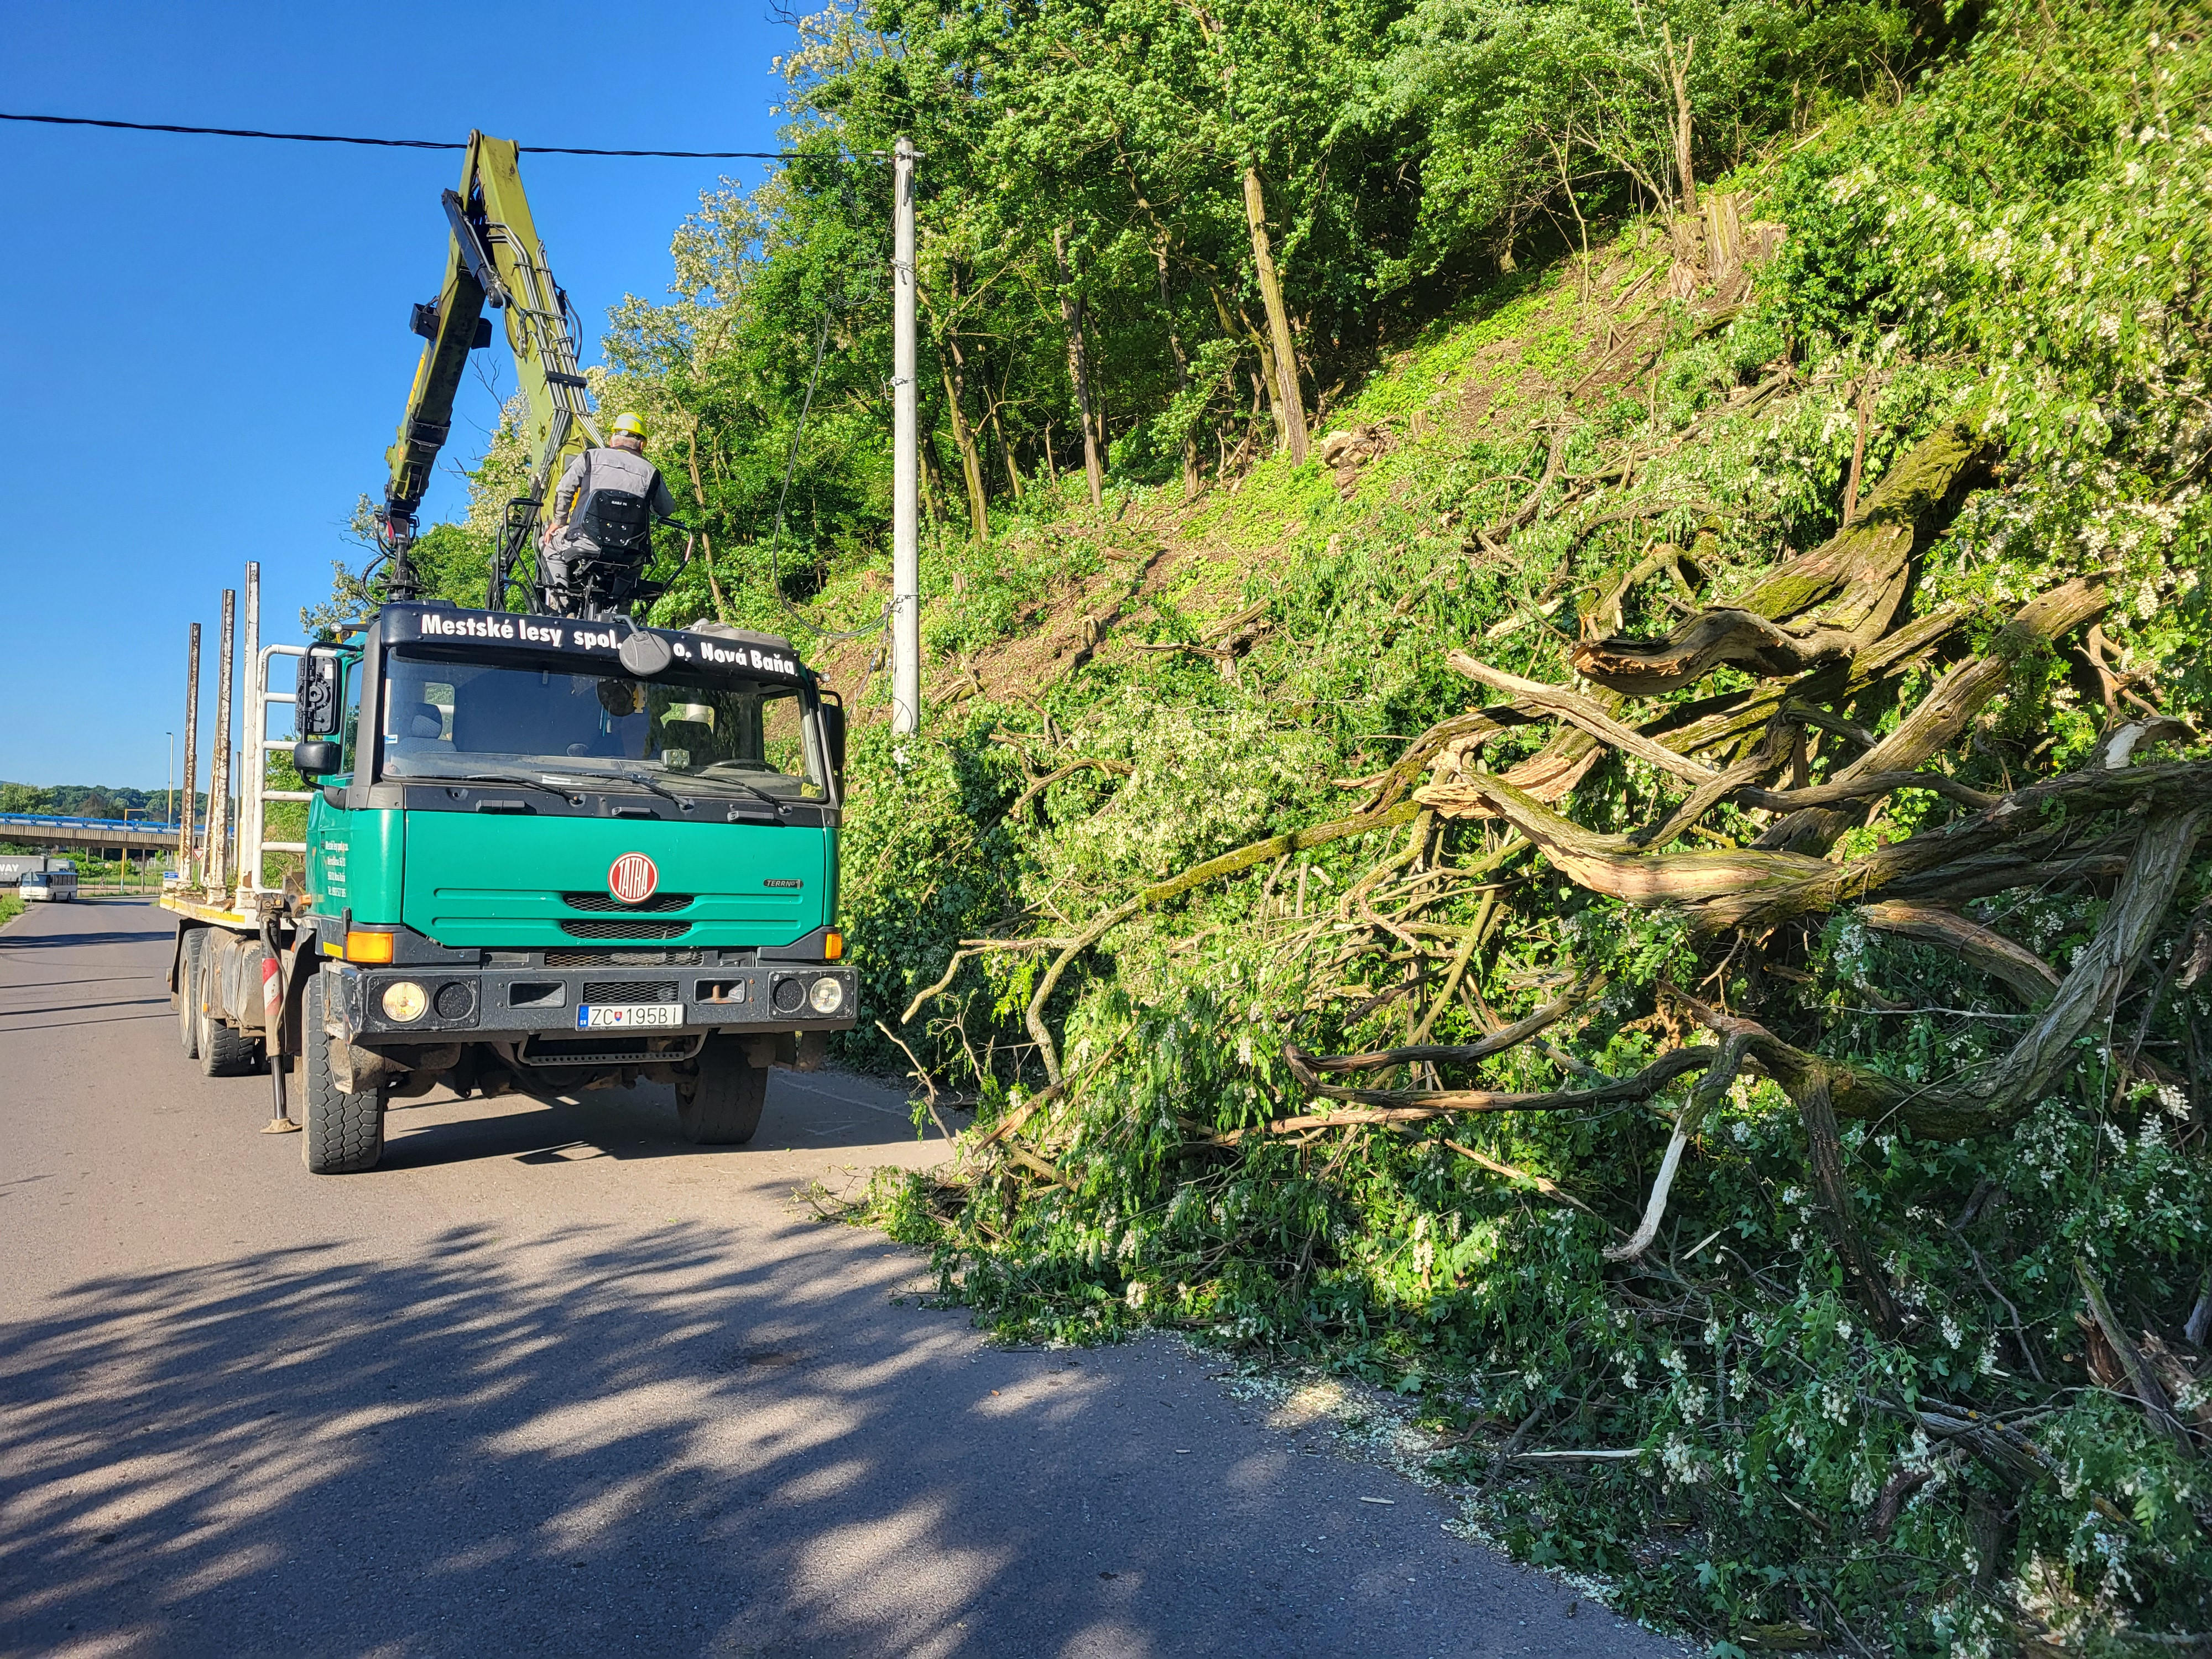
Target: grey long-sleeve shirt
(611, 469)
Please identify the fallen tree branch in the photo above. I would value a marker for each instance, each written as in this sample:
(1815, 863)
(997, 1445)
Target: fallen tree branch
(1936, 722)
(1824, 1152)
(1243, 858)
(1858, 574)
(969, 948)
(1605, 864)
(1721, 634)
(1865, 788)
(2149, 1392)
(1437, 1053)
(1419, 1105)
(1727, 1062)
(1580, 712)
(2031, 977)
(1544, 1184)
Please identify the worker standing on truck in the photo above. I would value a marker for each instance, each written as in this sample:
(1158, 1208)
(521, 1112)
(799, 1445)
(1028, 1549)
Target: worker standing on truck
(604, 505)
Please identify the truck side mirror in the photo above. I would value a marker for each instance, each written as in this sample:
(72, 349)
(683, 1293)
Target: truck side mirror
(315, 758)
(833, 735)
(318, 696)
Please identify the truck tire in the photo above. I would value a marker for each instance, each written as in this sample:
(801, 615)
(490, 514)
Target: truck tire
(341, 1133)
(224, 1050)
(722, 1106)
(188, 992)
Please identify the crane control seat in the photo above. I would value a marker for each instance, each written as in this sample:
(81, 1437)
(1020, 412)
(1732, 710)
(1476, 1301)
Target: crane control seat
(598, 559)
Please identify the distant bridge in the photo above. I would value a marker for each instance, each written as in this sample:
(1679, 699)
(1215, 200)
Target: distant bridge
(104, 837)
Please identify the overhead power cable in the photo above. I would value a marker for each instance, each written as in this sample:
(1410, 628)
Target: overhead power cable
(405, 144)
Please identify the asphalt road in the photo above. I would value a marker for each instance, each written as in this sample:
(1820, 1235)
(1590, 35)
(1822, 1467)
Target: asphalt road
(551, 1381)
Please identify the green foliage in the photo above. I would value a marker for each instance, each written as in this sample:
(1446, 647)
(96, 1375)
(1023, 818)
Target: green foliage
(1968, 240)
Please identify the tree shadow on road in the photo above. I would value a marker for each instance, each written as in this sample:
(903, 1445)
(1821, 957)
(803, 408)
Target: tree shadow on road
(593, 1443)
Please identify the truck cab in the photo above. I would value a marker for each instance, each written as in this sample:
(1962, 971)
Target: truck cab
(546, 854)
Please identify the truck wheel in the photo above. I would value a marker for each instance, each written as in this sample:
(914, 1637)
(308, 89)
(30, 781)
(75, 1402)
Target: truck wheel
(343, 1133)
(188, 993)
(721, 1107)
(224, 1050)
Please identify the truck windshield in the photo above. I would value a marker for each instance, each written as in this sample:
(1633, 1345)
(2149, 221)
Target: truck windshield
(445, 717)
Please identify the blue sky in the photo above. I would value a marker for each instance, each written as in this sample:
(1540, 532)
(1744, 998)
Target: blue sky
(204, 341)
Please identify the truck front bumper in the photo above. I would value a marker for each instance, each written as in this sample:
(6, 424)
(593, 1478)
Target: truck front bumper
(545, 1012)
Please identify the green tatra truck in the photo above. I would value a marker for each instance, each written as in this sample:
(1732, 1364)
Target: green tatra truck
(541, 854)
(546, 847)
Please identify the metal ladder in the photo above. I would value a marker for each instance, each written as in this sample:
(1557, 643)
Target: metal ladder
(254, 794)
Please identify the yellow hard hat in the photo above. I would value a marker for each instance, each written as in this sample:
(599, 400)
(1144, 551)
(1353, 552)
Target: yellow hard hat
(632, 425)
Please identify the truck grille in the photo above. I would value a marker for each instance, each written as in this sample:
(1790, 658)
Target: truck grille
(628, 990)
(541, 1050)
(659, 902)
(559, 958)
(625, 929)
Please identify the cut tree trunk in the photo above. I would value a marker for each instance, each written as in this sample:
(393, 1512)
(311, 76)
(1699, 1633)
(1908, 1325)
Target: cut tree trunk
(1279, 318)
(963, 436)
(1071, 311)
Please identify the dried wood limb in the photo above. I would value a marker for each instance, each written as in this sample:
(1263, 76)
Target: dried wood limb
(1938, 719)
(1394, 783)
(1994, 1095)
(1579, 711)
(1913, 496)
(1605, 864)
(2006, 1453)
(2086, 997)
(1418, 1105)
(1932, 854)
(1465, 1053)
(1865, 788)
(2007, 867)
(1694, 726)
(1726, 1063)
(1853, 1091)
(1754, 891)
(1721, 634)
(1544, 1184)
(1036, 1165)
(974, 947)
(2149, 1392)
(2015, 965)
(1773, 751)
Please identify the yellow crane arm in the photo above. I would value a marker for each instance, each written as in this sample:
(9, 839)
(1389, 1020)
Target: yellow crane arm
(494, 257)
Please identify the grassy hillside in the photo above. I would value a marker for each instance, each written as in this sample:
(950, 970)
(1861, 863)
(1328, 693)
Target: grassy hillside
(1651, 1076)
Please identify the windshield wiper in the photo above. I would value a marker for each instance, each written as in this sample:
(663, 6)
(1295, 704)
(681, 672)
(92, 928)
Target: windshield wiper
(752, 789)
(644, 782)
(526, 781)
(601, 779)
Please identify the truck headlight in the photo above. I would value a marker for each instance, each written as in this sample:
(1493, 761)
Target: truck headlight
(404, 1001)
(828, 996)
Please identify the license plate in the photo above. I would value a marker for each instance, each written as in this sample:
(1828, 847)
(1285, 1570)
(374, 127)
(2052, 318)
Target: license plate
(628, 1016)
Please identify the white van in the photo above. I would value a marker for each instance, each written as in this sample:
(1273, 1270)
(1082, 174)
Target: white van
(56, 883)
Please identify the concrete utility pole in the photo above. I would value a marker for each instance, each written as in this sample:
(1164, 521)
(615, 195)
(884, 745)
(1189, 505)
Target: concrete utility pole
(906, 549)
